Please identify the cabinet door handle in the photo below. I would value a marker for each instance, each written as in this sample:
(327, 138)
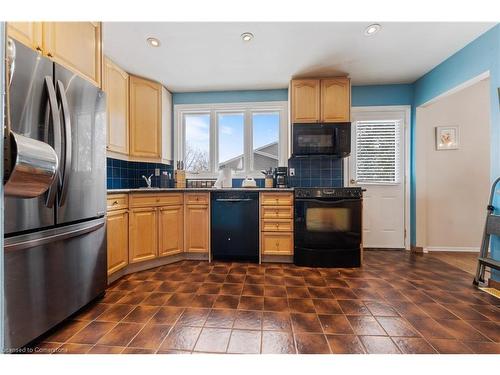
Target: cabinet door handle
(49, 54)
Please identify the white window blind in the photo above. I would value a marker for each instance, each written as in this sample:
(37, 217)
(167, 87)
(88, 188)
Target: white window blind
(378, 151)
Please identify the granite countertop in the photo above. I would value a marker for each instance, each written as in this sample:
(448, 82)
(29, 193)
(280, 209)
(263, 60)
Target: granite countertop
(163, 190)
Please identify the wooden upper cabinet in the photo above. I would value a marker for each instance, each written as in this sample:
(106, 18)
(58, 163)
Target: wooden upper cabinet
(28, 33)
(117, 229)
(115, 84)
(196, 229)
(335, 99)
(305, 100)
(76, 45)
(145, 118)
(171, 230)
(143, 238)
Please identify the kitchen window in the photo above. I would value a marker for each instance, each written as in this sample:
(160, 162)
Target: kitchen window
(248, 137)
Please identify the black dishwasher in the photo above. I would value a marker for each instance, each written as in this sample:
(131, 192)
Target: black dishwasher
(235, 226)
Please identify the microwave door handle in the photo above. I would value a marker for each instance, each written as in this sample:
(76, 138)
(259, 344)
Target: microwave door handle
(52, 115)
(61, 94)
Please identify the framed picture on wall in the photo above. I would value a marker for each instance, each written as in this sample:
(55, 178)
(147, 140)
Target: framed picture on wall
(447, 138)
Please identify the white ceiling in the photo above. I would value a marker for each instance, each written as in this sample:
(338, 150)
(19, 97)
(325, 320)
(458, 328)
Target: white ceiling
(212, 56)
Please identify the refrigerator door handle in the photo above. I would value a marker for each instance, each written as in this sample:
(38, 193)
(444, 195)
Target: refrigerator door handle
(61, 96)
(51, 235)
(52, 113)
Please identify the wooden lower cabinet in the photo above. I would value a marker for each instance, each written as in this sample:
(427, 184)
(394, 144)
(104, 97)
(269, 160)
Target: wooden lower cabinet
(197, 229)
(276, 243)
(143, 234)
(171, 230)
(276, 212)
(117, 238)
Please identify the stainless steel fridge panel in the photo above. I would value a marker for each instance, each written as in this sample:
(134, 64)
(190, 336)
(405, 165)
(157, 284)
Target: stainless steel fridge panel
(49, 275)
(28, 106)
(82, 194)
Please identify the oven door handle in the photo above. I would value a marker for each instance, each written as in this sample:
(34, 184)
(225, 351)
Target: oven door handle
(322, 201)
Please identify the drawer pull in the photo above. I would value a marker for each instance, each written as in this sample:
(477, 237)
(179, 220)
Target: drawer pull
(277, 225)
(277, 244)
(114, 203)
(157, 199)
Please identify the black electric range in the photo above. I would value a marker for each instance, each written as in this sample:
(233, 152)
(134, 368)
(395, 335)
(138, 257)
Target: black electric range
(327, 228)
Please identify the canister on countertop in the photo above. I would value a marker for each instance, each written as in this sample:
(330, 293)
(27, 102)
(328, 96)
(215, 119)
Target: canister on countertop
(180, 178)
(269, 181)
(165, 180)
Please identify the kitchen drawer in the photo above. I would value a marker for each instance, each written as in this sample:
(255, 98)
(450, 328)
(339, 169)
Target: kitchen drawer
(277, 225)
(197, 198)
(276, 199)
(276, 212)
(277, 243)
(148, 199)
(117, 202)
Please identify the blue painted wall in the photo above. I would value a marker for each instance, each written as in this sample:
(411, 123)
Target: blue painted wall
(375, 95)
(230, 96)
(482, 54)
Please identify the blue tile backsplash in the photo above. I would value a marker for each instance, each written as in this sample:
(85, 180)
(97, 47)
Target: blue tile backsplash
(316, 171)
(311, 171)
(122, 174)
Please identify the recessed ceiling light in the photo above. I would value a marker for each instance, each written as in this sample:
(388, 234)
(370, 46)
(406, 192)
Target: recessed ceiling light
(153, 42)
(247, 36)
(372, 29)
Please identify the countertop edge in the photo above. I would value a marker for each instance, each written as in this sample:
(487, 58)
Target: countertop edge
(163, 190)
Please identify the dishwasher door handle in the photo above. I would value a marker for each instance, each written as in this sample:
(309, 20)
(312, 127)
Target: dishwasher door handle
(233, 200)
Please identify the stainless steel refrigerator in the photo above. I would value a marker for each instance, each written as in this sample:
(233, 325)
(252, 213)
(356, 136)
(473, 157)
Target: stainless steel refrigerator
(55, 244)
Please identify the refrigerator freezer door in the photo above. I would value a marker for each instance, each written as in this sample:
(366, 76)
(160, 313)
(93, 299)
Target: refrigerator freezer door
(50, 275)
(82, 191)
(29, 107)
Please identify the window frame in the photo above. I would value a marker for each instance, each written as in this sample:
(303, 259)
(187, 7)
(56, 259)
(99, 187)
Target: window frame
(213, 109)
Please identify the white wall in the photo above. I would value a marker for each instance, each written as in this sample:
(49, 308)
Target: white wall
(453, 186)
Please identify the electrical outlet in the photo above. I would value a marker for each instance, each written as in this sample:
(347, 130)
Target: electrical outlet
(291, 172)
(157, 171)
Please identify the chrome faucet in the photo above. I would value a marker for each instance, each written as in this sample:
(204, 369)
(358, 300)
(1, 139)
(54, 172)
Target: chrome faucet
(148, 180)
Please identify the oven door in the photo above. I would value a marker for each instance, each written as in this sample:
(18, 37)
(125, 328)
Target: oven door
(327, 224)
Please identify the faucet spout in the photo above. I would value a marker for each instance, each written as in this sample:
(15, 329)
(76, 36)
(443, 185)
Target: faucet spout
(148, 180)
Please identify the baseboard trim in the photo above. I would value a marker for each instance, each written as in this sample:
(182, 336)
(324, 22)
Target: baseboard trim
(277, 259)
(451, 249)
(417, 249)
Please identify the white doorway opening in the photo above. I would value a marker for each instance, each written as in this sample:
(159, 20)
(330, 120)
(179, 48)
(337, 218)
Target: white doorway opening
(379, 163)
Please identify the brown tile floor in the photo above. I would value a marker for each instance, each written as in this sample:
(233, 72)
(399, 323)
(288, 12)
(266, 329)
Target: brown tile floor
(397, 303)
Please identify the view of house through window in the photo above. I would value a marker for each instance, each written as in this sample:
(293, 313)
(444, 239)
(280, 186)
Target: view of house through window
(244, 137)
(266, 132)
(231, 140)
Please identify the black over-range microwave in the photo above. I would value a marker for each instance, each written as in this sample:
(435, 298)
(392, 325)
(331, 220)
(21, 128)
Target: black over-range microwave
(322, 139)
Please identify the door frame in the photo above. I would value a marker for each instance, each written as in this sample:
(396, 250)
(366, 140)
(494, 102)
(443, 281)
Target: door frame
(406, 109)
